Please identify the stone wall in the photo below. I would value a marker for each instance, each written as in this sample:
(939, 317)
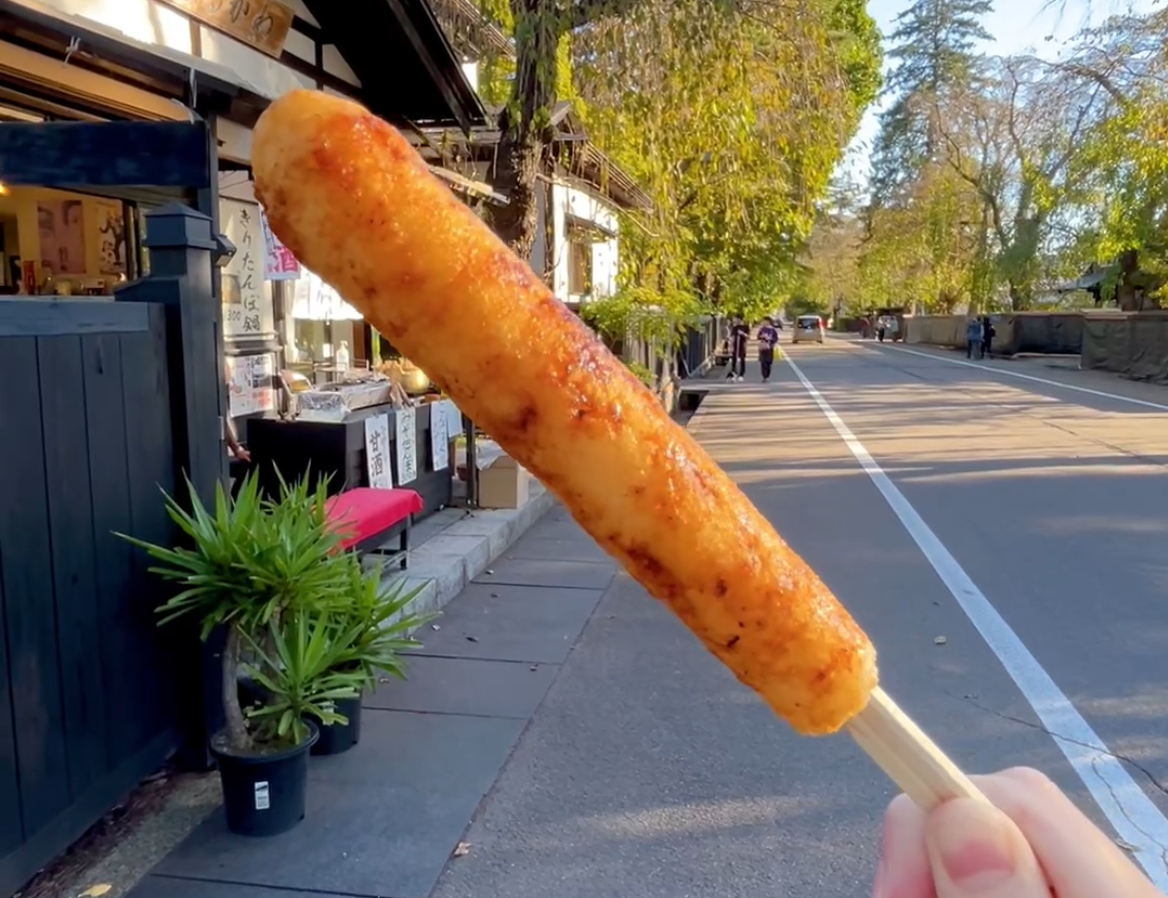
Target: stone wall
(1132, 344)
(1015, 332)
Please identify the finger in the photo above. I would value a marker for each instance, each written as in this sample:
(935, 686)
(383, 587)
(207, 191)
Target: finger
(904, 870)
(976, 850)
(1079, 859)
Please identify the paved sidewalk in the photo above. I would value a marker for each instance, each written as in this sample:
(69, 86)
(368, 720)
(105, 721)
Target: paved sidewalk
(385, 818)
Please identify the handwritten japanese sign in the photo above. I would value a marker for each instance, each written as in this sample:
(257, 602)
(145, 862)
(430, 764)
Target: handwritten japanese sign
(377, 463)
(439, 440)
(247, 310)
(279, 263)
(262, 24)
(407, 444)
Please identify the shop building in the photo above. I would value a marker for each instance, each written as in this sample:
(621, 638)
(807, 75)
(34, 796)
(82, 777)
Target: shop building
(158, 61)
(113, 111)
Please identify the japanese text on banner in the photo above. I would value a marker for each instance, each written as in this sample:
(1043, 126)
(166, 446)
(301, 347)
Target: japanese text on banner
(377, 462)
(407, 445)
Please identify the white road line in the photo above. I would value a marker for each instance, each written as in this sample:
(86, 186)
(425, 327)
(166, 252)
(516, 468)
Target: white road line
(1038, 380)
(1134, 816)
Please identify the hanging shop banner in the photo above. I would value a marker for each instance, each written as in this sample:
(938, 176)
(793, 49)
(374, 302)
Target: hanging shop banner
(439, 440)
(279, 263)
(377, 462)
(407, 445)
(247, 307)
(314, 300)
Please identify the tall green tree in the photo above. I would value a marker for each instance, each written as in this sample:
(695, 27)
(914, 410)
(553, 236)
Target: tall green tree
(934, 54)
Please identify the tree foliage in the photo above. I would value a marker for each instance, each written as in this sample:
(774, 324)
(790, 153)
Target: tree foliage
(730, 114)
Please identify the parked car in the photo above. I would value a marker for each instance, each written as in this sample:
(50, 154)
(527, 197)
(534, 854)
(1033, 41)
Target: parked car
(808, 328)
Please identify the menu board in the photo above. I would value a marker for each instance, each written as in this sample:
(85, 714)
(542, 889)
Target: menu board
(407, 444)
(377, 462)
(249, 384)
(439, 441)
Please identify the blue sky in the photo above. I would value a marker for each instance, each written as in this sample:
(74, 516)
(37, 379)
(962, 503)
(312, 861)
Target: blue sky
(1018, 26)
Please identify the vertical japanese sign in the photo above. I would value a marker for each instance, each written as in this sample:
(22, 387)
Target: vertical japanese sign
(279, 263)
(377, 463)
(407, 444)
(439, 439)
(246, 310)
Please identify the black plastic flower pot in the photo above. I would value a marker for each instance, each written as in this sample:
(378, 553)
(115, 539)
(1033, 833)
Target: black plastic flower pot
(340, 737)
(264, 794)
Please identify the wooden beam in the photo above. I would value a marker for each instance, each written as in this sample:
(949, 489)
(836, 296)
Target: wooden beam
(106, 154)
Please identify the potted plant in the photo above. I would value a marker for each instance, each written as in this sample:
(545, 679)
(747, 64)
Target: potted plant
(374, 626)
(270, 574)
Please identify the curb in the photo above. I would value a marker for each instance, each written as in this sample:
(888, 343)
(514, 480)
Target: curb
(445, 564)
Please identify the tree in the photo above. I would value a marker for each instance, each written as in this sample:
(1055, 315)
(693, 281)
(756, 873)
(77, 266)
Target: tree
(1014, 142)
(934, 50)
(1122, 162)
(733, 124)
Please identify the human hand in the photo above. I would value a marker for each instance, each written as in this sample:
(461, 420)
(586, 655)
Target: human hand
(242, 454)
(1037, 845)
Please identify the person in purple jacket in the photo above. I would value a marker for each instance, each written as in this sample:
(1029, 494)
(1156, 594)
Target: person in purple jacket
(768, 339)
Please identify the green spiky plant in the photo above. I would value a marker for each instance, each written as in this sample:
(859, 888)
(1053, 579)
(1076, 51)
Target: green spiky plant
(304, 621)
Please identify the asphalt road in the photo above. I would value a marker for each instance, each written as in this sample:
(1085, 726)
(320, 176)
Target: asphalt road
(1024, 499)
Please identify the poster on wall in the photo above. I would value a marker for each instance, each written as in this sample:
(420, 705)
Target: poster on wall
(61, 227)
(111, 237)
(439, 440)
(249, 384)
(407, 444)
(279, 263)
(377, 463)
(247, 310)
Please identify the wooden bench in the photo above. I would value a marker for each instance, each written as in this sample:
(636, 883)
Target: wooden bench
(366, 518)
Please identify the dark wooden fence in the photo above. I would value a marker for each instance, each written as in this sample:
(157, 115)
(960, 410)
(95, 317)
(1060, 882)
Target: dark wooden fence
(85, 444)
(103, 404)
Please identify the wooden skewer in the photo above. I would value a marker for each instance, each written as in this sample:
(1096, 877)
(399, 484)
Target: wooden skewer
(910, 758)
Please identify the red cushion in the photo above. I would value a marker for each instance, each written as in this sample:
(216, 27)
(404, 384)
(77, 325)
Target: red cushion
(365, 512)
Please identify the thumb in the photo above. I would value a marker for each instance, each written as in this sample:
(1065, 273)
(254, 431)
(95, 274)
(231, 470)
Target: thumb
(976, 850)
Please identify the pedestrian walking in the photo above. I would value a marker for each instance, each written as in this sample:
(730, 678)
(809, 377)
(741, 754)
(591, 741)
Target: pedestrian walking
(973, 338)
(987, 336)
(768, 338)
(881, 328)
(739, 337)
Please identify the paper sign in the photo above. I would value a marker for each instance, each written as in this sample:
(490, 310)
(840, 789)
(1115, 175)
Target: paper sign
(453, 419)
(439, 441)
(249, 384)
(377, 465)
(407, 445)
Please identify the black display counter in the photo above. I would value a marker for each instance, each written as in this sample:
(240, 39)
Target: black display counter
(337, 451)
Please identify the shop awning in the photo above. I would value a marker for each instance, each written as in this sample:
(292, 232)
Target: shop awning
(408, 68)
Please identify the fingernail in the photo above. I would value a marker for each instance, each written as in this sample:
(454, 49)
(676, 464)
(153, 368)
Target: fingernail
(879, 889)
(975, 845)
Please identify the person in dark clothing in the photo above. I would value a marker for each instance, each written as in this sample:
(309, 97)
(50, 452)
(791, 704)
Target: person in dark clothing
(987, 336)
(739, 336)
(768, 338)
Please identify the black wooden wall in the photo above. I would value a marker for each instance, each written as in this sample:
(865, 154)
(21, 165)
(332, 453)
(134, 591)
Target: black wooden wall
(86, 703)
